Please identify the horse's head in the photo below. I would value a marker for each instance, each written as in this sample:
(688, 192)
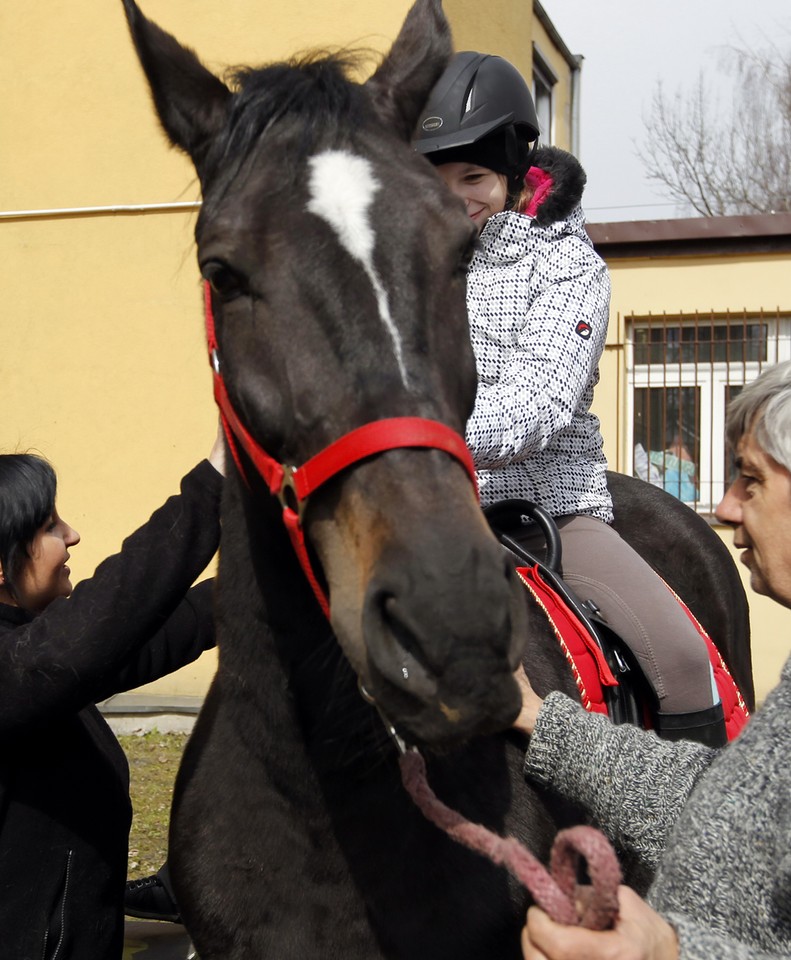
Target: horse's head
(336, 259)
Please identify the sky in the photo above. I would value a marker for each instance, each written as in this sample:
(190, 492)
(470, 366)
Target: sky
(628, 46)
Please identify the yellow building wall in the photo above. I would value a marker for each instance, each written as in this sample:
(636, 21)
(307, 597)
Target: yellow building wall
(498, 26)
(686, 284)
(103, 366)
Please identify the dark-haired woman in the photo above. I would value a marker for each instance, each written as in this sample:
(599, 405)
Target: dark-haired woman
(538, 302)
(64, 785)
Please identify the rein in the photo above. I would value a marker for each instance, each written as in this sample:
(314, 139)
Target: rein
(294, 485)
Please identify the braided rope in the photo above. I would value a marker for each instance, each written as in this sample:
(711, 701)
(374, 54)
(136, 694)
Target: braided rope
(556, 891)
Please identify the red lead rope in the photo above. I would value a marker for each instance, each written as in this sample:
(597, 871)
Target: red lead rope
(365, 441)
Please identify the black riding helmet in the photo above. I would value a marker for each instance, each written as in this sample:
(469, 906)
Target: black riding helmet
(480, 111)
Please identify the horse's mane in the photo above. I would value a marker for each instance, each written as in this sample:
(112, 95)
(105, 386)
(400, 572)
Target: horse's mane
(315, 91)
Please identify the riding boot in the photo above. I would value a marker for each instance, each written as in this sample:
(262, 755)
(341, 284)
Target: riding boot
(705, 726)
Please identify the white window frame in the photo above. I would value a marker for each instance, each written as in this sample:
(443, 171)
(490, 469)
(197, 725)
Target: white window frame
(712, 380)
(545, 78)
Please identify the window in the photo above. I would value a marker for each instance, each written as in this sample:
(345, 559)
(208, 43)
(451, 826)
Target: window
(544, 80)
(683, 370)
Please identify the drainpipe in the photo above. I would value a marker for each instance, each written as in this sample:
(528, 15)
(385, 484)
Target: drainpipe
(576, 89)
(132, 208)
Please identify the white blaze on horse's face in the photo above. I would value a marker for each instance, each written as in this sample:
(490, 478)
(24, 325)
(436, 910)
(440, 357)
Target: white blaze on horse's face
(342, 190)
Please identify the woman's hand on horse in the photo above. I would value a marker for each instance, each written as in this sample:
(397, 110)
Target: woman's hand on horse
(217, 455)
(531, 704)
(639, 934)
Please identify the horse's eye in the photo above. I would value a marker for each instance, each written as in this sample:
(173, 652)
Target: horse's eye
(224, 281)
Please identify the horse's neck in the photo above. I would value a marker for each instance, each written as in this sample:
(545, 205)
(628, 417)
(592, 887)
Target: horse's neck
(260, 574)
(275, 641)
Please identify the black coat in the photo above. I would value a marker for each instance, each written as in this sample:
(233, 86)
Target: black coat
(64, 781)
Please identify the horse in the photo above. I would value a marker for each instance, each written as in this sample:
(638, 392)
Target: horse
(338, 336)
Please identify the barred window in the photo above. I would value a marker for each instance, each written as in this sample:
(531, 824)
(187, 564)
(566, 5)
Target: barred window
(683, 370)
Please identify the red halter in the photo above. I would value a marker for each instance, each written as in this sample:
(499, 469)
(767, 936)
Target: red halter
(365, 441)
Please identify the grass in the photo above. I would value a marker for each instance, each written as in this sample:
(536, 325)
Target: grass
(153, 761)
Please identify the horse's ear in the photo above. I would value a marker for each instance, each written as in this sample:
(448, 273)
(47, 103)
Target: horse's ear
(191, 102)
(421, 51)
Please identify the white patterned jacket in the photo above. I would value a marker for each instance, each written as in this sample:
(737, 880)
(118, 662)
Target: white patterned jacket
(538, 300)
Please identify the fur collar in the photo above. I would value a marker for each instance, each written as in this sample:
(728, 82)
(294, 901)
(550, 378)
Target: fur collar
(559, 180)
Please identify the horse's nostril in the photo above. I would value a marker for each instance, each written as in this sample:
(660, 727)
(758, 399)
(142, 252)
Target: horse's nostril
(395, 650)
(391, 618)
(416, 648)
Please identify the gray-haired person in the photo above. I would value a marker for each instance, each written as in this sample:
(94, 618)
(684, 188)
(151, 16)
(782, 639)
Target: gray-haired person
(709, 829)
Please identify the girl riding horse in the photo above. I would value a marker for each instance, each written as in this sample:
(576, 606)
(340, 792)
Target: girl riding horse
(538, 303)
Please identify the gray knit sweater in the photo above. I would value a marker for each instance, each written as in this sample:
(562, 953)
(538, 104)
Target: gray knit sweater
(713, 829)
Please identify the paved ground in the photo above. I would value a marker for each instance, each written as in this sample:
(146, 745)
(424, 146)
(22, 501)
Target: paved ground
(150, 940)
(134, 712)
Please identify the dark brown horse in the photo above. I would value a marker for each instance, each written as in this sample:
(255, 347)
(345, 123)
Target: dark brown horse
(336, 260)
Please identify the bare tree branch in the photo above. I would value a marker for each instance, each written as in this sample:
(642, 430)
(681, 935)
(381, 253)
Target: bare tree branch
(729, 157)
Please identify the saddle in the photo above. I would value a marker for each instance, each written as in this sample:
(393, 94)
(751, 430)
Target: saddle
(607, 674)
